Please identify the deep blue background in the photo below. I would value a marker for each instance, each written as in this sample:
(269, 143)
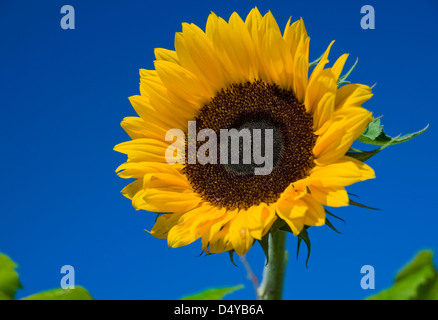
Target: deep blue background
(64, 93)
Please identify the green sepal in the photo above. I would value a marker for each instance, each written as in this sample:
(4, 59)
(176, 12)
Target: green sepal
(375, 135)
(304, 236)
(354, 203)
(231, 254)
(279, 224)
(343, 79)
(264, 243)
(331, 226)
(334, 216)
(315, 62)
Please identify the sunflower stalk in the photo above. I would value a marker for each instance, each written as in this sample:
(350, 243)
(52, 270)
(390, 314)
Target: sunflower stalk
(271, 287)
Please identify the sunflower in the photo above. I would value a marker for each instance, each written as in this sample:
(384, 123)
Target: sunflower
(243, 74)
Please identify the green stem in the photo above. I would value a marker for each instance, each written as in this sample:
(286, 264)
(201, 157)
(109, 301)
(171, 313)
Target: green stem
(271, 287)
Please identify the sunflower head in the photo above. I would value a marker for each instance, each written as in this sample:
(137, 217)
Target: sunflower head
(243, 76)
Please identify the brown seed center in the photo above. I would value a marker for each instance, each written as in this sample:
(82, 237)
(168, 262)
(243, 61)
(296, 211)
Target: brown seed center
(254, 105)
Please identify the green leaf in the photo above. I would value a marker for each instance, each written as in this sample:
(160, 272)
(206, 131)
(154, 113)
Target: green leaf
(428, 291)
(78, 293)
(4, 297)
(9, 282)
(374, 129)
(417, 281)
(375, 135)
(213, 294)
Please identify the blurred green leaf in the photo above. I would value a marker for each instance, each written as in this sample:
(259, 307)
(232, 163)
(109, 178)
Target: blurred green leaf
(78, 293)
(416, 281)
(213, 294)
(4, 296)
(9, 282)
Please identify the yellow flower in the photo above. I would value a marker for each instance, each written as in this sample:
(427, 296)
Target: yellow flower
(243, 74)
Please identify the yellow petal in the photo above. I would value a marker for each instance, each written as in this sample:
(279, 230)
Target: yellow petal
(165, 181)
(340, 133)
(343, 172)
(178, 237)
(133, 188)
(330, 196)
(269, 23)
(182, 82)
(253, 20)
(166, 55)
(233, 46)
(138, 169)
(315, 215)
(339, 65)
(277, 60)
(352, 95)
(220, 241)
(260, 219)
(301, 69)
(163, 116)
(148, 150)
(321, 64)
(193, 222)
(164, 223)
(196, 53)
(137, 128)
(320, 86)
(214, 227)
(324, 110)
(294, 35)
(293, 213)
(239, 234)
(159, 201)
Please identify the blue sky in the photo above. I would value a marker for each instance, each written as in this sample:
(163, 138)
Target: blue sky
(64, 93)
